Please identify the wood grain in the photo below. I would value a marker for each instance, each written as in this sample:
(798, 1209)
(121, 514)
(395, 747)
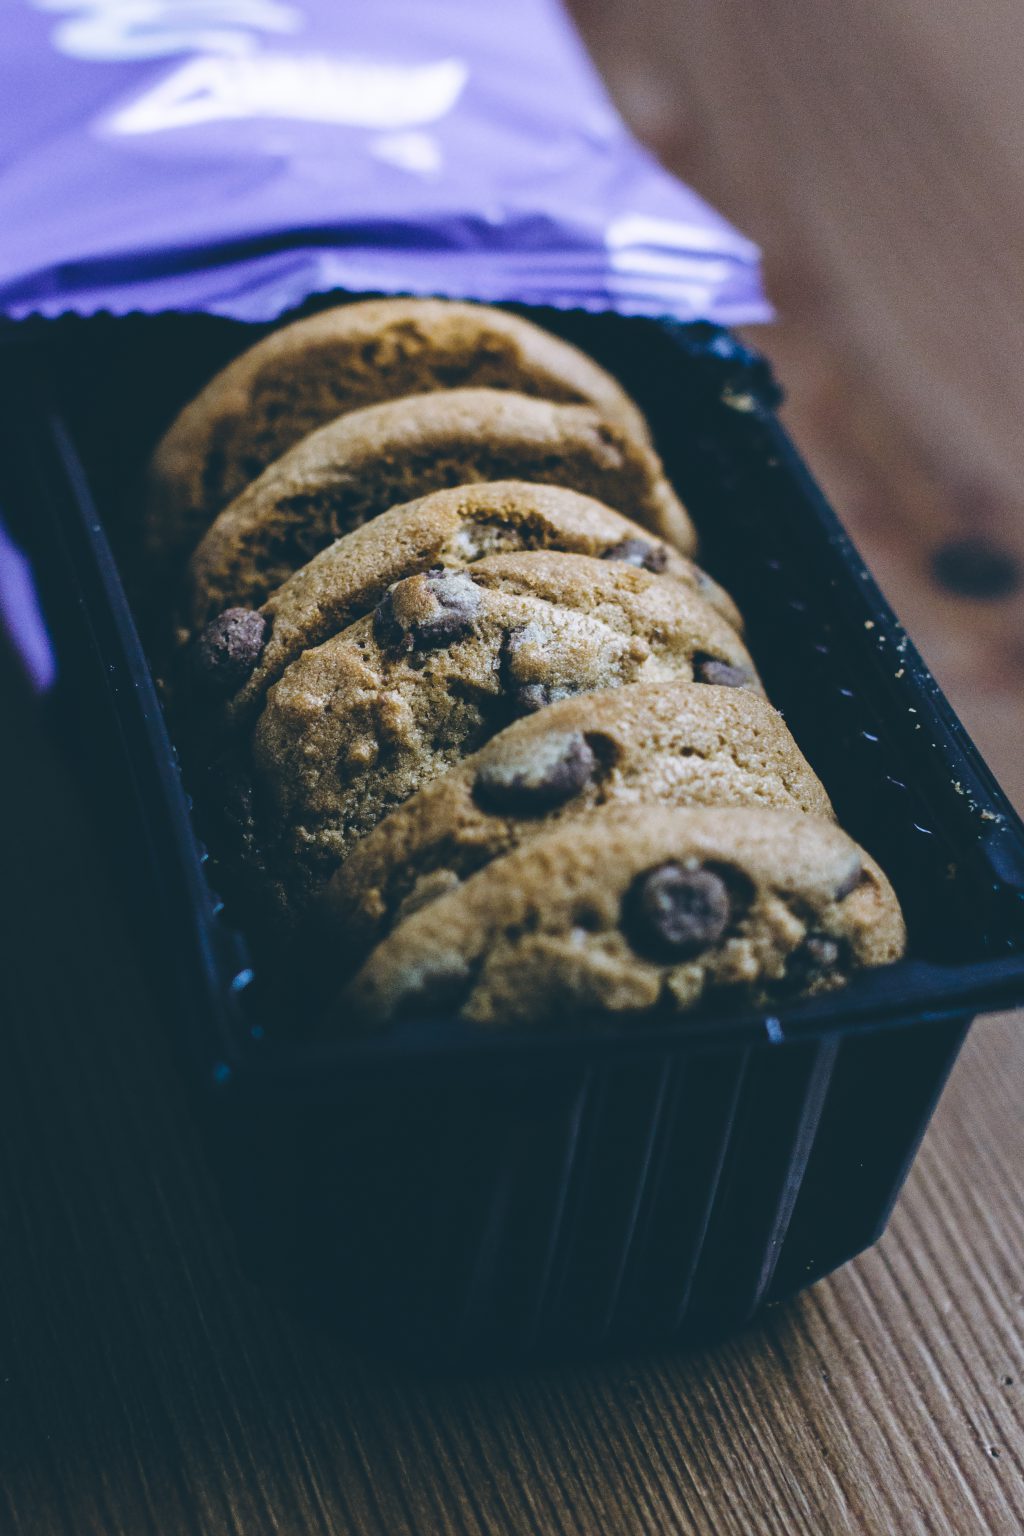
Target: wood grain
(146, 1387)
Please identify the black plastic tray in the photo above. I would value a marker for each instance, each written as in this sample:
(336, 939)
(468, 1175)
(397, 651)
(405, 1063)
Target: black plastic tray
(562, 1191)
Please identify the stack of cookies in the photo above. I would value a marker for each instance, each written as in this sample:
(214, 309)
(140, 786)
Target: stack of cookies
(485, 736)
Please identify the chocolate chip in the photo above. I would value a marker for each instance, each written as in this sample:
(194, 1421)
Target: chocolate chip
(850, 880)
(425, 611)
(674, 912)
(520, 659)
(531, 777)
(823, 951)
(225, 653)
(649, 557)
(816, 957)
(712, 669)
(530, 697)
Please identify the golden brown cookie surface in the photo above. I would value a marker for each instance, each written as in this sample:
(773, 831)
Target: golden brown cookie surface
(668, 743)
(368, 461)
(448, 658)
(629, 911)
(448, 528)
(309, 372)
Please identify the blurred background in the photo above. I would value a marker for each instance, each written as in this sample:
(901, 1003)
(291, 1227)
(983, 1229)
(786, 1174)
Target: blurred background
(875, 152)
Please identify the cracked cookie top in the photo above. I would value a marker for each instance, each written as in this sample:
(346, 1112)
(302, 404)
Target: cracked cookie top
(448, 528)
(667, 743)
(448, 658)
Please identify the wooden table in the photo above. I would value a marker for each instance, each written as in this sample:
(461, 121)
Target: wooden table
(145, 1387)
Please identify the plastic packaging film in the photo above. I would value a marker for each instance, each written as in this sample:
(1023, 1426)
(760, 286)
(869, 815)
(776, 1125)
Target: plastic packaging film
(237, 156)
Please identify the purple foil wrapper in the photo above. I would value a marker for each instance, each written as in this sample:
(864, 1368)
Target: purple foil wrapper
(21, 617)
(236, 156)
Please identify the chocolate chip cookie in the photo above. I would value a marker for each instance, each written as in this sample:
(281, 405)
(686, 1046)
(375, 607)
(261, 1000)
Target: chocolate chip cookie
(361, 464)
(636, 911)
(448, 658)
(307, 373)
(668, 743)
(448, 528)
